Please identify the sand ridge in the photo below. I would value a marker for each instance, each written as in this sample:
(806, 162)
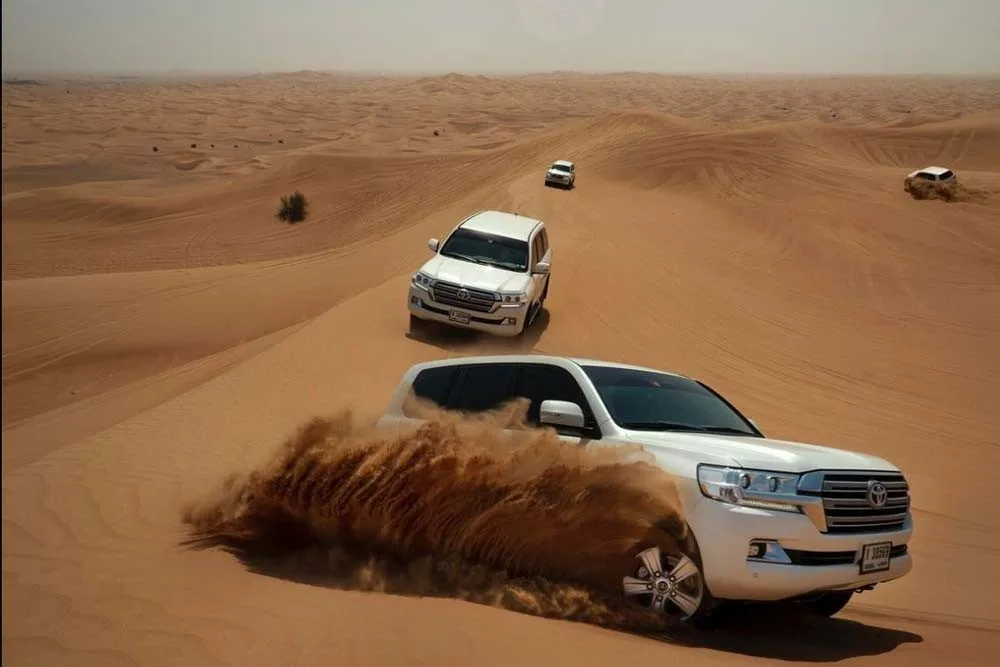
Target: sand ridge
(161, 330)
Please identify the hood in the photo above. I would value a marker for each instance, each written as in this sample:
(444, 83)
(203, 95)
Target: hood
(557, 172)
(760, 453)
(474, 275)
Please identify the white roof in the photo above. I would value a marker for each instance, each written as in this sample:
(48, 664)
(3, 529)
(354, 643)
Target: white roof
(581, 361)
(937, 171)
(528, 358)
(564, 163)
(502, 224)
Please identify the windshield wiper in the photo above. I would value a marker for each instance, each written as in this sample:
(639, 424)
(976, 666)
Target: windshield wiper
(466, 258)
(677, 426)
(660, 426)
(728, 429)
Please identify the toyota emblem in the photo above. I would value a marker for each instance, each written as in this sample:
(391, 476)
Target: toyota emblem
(463, 294)
(877, 494)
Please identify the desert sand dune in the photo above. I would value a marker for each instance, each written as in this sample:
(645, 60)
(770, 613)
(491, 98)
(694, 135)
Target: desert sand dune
(161, 331)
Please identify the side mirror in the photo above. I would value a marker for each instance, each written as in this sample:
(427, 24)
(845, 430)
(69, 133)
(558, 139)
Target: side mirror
(433, 245)
(542, 268)
(561, 413)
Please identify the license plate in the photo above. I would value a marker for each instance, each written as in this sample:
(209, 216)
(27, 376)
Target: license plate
(456, 316)
(875, 557)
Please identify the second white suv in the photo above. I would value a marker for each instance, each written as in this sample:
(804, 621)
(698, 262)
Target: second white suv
(940, 181)
(491, 274)
(770, 519)
(561, 173)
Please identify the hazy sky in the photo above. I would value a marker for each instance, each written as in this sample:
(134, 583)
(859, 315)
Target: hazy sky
(865, 36)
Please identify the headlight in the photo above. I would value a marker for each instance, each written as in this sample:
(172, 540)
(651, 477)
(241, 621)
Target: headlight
(421, 280)
(751, 488)
(513, 299)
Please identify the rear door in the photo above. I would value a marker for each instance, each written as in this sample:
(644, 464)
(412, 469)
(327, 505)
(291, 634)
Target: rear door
(482, 387)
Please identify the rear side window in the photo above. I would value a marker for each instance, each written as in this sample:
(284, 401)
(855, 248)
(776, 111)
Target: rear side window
(434, 383)
(924, 175)
(483, 387)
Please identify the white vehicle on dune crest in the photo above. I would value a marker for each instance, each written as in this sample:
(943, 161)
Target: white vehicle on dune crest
(491, 275)
(939, 181)
(770, 519)
(561, 172)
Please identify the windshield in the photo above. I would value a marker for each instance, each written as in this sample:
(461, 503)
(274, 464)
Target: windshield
(560, 167)
(487, 249)
(650, 401)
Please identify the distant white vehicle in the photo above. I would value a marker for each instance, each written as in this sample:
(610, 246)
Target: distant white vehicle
(938, 179)
(770, 519)
(491, 275)
(562, 172)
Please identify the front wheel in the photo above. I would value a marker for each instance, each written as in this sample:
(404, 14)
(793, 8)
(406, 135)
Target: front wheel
(417, 325)
(829, 603)
(671, 584)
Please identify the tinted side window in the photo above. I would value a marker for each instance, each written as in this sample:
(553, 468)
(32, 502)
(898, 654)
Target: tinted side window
(543, 235)
(541, 382)
(434, 383)
(483, 387)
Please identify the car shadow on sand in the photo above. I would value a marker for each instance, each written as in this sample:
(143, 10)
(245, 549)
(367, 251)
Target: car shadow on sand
(783, 632)
(776, 631)
(455, 339)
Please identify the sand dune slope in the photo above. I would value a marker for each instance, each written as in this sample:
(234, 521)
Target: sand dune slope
(161, 331)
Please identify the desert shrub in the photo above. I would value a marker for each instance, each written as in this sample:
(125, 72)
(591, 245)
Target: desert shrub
(294, 208)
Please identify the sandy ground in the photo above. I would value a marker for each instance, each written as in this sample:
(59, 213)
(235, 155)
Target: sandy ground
(161, 330)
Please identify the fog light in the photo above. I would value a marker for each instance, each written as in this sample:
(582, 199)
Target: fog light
(767, 551)
(512, 321)
(415, 300)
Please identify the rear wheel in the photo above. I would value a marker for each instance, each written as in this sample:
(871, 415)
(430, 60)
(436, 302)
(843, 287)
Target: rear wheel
(829, 603)
(671, 584)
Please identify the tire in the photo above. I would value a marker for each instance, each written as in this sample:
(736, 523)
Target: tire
(829, 603)
(687, 600)
(529, 320)
(417, 325)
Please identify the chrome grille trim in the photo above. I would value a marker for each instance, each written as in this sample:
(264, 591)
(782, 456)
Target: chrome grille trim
(846, 508)
(479, 300)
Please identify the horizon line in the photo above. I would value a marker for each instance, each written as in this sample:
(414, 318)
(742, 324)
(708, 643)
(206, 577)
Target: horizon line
(23, 74)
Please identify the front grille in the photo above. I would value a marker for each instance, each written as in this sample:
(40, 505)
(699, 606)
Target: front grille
(478, 300)
(847, 507)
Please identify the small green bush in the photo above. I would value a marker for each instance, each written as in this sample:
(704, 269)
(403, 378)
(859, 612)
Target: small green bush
(294, 208)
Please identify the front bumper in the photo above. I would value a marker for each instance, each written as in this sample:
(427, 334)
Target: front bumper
(819, 562)
(558, 180)
(507, 320)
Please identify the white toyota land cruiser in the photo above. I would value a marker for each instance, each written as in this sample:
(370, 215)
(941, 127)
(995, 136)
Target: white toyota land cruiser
(491, 274)
(562, 173)
(770, 519)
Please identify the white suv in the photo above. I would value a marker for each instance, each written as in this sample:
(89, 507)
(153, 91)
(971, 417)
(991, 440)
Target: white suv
(939, 180)
(561, 172)
(770, 519)
(491, 274)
